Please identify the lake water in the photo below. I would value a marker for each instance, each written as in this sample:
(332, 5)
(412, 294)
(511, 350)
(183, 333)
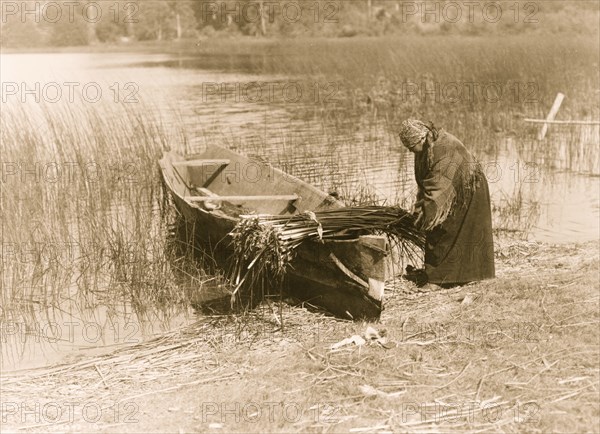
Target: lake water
(264, 116)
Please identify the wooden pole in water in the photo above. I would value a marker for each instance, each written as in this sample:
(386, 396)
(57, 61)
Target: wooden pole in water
(551, 115)
(544, 121)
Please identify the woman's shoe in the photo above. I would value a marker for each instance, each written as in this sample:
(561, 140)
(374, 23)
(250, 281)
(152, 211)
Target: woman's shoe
(416, 275)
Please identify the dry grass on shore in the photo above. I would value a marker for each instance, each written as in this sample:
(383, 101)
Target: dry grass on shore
(513, 354)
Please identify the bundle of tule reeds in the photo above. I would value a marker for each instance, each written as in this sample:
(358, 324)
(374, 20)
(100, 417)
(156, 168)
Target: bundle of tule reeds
(264, 245)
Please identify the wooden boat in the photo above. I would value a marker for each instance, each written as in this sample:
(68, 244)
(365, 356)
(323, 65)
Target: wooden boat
(212, 189)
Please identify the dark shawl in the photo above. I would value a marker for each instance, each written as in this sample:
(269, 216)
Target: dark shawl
(455, 202)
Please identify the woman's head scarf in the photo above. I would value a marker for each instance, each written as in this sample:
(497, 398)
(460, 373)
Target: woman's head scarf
(413, 132)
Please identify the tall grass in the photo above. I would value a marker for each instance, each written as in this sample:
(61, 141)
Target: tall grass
(81, 214)
(381, 81)
(500, 82)
(93, 232)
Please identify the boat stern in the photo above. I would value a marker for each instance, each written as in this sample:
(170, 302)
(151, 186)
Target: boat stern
(345, 277)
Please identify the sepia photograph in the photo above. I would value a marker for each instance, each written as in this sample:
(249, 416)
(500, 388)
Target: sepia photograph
(300, 216)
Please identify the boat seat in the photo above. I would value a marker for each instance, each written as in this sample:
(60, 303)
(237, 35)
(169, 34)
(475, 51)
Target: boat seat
(214, 198)
(195, 163)
(201, 172)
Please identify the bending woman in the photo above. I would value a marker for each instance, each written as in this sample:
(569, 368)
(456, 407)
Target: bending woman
(452, 206)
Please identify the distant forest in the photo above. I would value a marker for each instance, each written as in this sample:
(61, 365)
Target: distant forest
(81, 23)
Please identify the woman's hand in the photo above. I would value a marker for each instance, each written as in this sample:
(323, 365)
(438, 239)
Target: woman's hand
(418, 213)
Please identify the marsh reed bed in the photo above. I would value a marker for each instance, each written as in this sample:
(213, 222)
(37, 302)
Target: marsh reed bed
(117, 226)
(474, 86)
(478, 88)
(82, 212)
(84, 218)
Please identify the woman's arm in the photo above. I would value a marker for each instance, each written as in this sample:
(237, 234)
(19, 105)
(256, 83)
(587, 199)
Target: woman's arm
(438, 191)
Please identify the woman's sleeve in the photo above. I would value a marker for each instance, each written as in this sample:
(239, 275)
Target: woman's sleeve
(438, 191)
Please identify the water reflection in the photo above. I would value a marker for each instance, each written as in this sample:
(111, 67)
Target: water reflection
(71, 330)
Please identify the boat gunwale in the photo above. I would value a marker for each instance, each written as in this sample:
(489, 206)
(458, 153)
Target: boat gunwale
(166, 164)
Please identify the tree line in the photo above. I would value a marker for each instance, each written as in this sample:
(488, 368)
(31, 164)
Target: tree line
(73, 23)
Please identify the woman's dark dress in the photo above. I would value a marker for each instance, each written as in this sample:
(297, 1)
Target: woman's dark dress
(455, 202)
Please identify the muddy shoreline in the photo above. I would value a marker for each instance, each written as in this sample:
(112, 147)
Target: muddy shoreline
(506, 345)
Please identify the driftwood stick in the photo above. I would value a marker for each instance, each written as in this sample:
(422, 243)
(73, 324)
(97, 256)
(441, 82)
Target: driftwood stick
(569, 122)
(551, 115)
